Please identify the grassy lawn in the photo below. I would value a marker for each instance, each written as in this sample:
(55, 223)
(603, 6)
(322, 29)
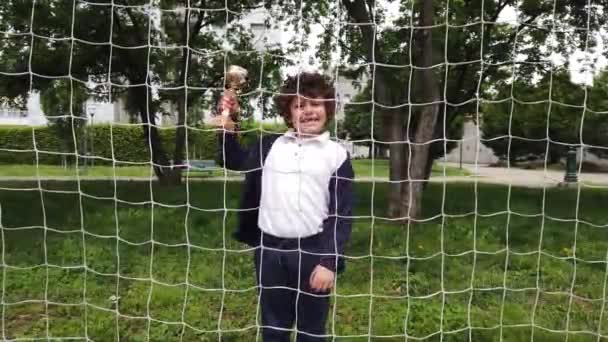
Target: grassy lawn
(59, 171)
(363, 168)
(90, 171)
(466, 273)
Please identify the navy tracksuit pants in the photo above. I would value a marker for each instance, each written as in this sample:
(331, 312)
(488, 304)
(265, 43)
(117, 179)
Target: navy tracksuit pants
(283, 269)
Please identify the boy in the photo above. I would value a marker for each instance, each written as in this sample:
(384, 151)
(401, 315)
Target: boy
(295, 208)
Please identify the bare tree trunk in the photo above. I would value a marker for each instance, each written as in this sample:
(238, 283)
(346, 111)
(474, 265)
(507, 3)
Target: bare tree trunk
(180, 132)
(394, 126)
(412, 194)
(394, 132)
(182, 102)
(428, 170)
(142, 97)
(180, 140)
(406, 174)
(151, 135)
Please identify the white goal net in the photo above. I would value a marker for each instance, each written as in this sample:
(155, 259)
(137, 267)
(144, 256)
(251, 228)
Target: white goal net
(103, 101)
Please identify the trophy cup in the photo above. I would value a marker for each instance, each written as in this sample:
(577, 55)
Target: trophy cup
(236, 80)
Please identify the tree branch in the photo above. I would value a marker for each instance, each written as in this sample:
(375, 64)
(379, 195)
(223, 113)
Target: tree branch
(344, 45)
(370, 10)
(136, 28)
(198, 25)
(358, 11)
(464, 68)
(522, 26)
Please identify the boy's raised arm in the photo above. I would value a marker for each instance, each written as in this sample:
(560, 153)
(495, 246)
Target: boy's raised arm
(230, 152)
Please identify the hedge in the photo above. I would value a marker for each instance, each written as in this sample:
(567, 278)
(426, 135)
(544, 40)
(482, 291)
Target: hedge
(18, 144)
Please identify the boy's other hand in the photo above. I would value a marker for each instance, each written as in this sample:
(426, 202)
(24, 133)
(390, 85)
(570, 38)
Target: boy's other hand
(321, 279)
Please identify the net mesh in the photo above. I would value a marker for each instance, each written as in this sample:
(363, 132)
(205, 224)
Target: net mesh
(94, 248)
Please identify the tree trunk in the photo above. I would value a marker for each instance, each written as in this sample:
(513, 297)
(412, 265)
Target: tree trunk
(180, 139)
(358, 11)
(428, 169)
(412, 194)
(438, 149)
(152, 137)
(397, 161)
(182, 104)
(182, 101)
(406, 175)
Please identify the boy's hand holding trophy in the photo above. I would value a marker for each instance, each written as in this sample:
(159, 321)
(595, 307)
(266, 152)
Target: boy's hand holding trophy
(228, 107)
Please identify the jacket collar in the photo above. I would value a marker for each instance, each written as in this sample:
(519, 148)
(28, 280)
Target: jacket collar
(322, 138)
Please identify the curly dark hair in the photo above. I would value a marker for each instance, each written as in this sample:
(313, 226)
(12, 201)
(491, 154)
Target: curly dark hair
(308, 84)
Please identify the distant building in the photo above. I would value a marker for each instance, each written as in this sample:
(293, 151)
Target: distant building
(106, 112)
(96, 112)
(16, 117)
(31, 116)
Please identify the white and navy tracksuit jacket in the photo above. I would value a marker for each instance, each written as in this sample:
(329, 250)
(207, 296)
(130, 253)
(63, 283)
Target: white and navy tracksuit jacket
(294, 189)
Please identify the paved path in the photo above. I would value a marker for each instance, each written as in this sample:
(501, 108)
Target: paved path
(521, 177)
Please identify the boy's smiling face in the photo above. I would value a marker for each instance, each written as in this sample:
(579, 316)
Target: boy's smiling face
(308, 115)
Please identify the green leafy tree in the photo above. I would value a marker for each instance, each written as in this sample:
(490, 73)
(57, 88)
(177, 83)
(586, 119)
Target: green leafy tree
(160, 51)
(542, 119)
(63, 103)
(357, 122)
(469, 56)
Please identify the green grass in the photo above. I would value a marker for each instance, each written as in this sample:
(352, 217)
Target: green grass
(95, 171)
(363, 168)
(90, 171)
(407, 294)
(380, 167)
(59, 171)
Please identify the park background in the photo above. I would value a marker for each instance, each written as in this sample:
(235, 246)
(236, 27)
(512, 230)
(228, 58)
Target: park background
(479, 132)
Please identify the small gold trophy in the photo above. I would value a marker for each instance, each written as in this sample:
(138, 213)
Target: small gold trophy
(236, 80)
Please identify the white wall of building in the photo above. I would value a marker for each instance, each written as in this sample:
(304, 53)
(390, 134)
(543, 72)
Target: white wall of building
(98, 112)
(32, 116)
